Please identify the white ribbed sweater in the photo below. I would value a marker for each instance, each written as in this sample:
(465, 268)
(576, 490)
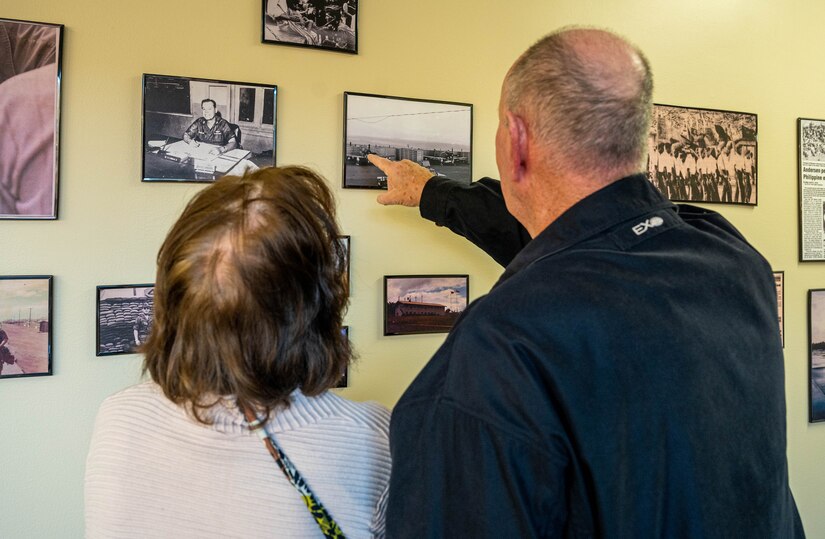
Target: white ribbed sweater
(154, 472)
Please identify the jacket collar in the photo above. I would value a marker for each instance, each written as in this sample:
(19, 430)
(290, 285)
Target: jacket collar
(619, 201)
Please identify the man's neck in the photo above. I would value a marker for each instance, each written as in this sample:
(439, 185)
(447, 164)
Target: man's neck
(557, 193)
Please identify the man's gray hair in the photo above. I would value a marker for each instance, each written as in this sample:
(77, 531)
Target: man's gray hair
(587, 93)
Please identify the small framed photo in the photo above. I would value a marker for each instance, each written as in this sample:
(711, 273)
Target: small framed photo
(319, 24)
(30, 76)
(197, 130)
(25, 326)
(435, 134)
(811, 164)
(816, 362)
(703, 155)
(344, 382)
(779, 282)
(345, 242)
(124, 317)
(423, 303)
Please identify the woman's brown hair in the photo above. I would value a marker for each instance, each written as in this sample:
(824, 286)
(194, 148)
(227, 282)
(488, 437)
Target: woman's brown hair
(250, 294)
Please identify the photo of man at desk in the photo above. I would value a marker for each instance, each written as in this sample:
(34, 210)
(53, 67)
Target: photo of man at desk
(212, 129)
(199, 130)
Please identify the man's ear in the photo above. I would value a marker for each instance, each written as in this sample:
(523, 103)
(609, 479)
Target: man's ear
(519, 153)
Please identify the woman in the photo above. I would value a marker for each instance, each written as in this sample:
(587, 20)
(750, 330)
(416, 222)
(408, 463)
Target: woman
(250, 294)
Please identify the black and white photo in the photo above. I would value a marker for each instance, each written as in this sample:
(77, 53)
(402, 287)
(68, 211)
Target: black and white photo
(345, 243)
(30, 78)
(816, 364)
(423, 303)
(322, 24)
(435, 134)
(124, 317)
(703, 155)
(198, 130)
(779, 283)
(25, 326)
(811, 165)
(344, 381)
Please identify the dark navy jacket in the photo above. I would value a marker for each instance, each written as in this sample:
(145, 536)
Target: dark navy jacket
(624, 378)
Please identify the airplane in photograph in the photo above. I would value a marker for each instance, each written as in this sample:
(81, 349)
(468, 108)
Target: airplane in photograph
(359, 157)
(448, 157)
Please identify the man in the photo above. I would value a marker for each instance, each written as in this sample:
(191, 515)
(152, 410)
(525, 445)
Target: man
(728, 169)
(143, 324)
(5, 355)
(603, 388)
(666, 164)
(211, 128)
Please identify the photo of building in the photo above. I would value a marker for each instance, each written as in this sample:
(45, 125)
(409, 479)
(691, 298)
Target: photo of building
(423, 304)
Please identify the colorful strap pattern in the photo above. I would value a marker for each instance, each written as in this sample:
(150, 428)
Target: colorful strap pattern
(325, 521)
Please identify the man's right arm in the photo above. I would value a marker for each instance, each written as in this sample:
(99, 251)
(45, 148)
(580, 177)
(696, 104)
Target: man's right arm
(191, 131)
(477, 212)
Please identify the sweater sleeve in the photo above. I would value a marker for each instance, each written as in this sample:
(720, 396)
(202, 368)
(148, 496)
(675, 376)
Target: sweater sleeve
(477, 212)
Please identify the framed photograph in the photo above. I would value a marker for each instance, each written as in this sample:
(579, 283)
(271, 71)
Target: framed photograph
(30, 75)
(816, 362)
(197, 130)
(779, 281)
(423, 303)
(345, 241)
(319, 24)
(703, 155)
(124, 317)
(435, 134)
(344, 382)
(25, 326)
(811, 166)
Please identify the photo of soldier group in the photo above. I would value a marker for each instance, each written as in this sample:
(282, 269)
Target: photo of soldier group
(703, 155)
(423, 303)
(124, 317)
(812, 140)
(435, 134)
(325, 24)
(25, 326)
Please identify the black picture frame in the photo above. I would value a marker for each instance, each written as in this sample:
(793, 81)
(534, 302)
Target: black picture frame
(395, 127)
(722, 143)
(172, 105)
(335, 29)
(27, 325)
(346, 241)
(423, 316)
(119, 315)
(816, 355)
(779, 283)
(343, 383)
(810, 146)
(31, 90)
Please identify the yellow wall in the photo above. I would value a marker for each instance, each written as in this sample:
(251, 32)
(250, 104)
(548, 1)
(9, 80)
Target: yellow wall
(760, 57)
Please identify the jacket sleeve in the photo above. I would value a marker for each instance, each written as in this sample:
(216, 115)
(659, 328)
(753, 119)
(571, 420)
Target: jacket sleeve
(477, 212)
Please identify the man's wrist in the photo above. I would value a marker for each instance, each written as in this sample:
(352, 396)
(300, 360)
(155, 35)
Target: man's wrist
(431, 205)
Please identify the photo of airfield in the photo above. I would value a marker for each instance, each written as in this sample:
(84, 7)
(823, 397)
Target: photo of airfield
(24, 316)
(437, 136)
(423, 304)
